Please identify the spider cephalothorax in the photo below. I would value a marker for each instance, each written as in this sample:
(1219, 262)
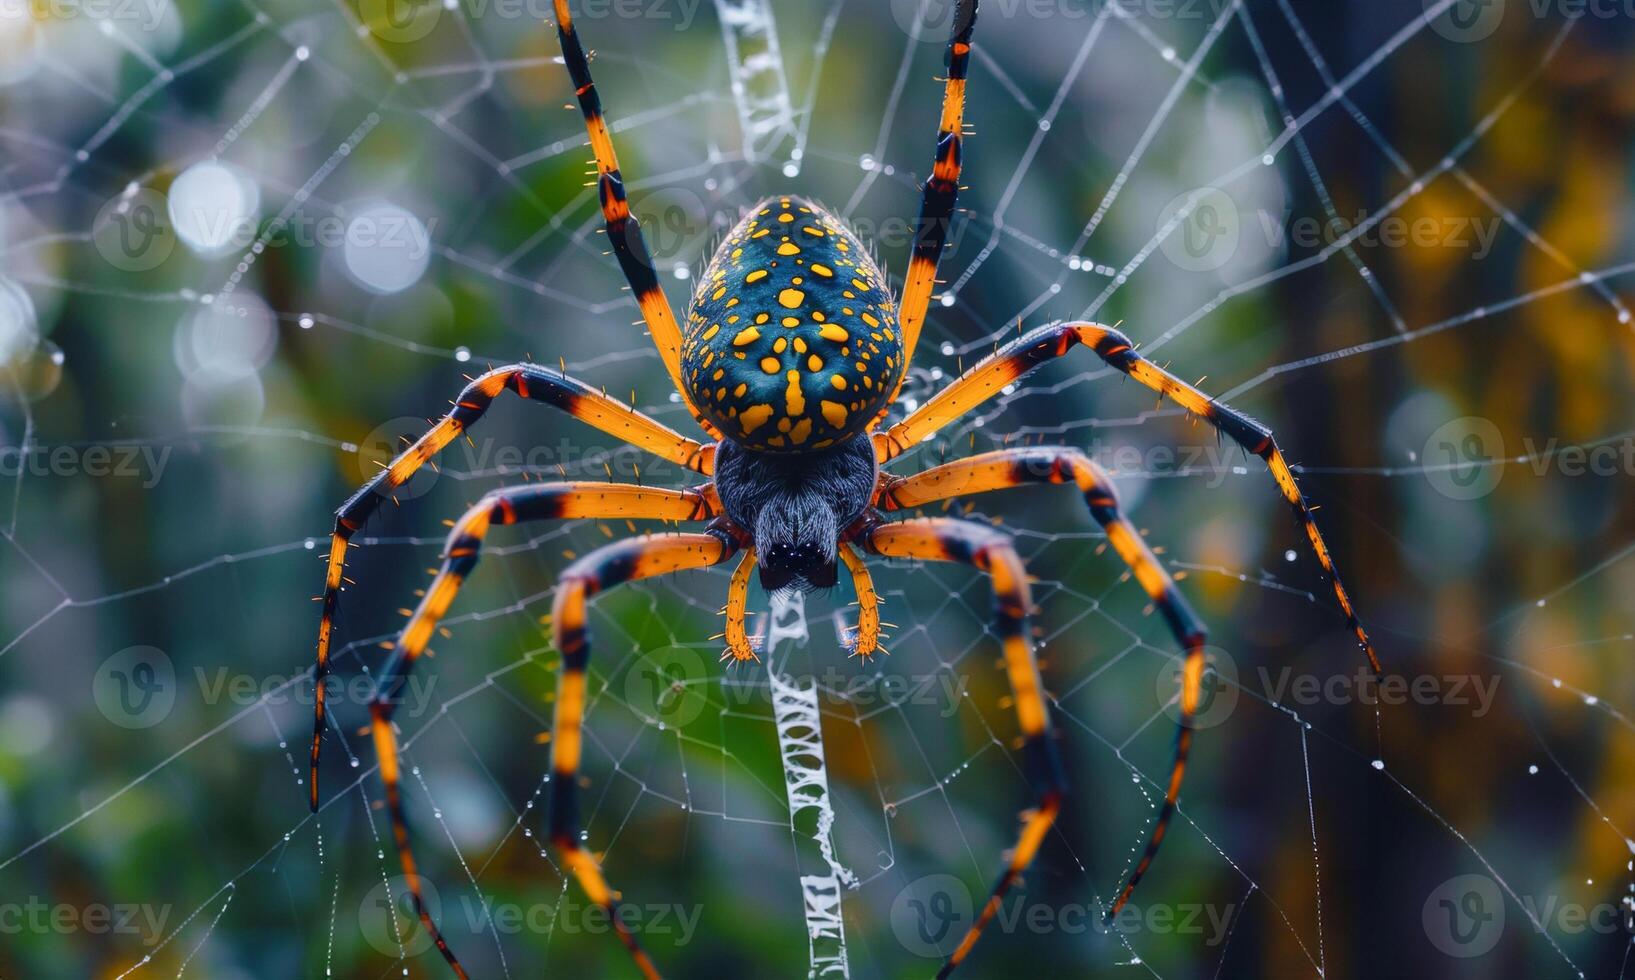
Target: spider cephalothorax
(789, 357)
(796, 505)
(792, 342)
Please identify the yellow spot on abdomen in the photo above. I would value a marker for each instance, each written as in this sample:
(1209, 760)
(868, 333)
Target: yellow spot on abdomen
(794, 401)
(834, 413)
(791, 298)
(746, 336)
(788, 248)
(831, 332)
(756, 276)
(769, 365)
(839, 381)
(819, 269)
(754, 417)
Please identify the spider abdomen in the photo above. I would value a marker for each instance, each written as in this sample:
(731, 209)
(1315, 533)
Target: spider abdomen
(792, 341)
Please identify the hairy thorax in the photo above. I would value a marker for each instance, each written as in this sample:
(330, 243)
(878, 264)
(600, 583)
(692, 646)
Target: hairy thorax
(796, 506)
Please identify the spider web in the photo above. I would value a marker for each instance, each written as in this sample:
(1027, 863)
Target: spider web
(180, 430)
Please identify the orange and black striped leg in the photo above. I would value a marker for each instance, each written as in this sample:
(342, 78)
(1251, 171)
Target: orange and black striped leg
(946, 539)
(739, 647)
(866, 642)
(530, 381)
(623, 230)
(1047, 343)
(941, 190)
(1008, 468)
(514, 505)
(613, 564)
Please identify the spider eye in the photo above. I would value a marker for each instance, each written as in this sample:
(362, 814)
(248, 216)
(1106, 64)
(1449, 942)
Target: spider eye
(809, 565)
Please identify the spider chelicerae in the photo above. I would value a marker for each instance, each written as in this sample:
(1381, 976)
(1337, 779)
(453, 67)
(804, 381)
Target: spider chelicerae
(792, 354)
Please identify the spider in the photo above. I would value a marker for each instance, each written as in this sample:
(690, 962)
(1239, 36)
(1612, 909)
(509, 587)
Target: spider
(792, 354)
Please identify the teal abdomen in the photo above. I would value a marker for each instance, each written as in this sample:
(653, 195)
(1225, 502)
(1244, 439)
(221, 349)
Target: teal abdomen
(792, 341)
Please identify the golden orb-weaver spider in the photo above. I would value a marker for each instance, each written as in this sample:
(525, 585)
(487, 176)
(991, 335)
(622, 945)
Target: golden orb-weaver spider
(792, 350)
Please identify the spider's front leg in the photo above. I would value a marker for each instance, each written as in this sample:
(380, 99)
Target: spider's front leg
(1047, 343)
(530, 381)
(940, 193)
(1007, 468)
(610, 565)
(623, 230)
(946, 539)
(513, 505)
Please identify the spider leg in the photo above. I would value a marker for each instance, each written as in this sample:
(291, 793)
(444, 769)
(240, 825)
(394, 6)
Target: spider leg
(610, 565)
(1006, 468)
(867, 641)
(1027, 352)
(623, 230)
(946, 539)
(511, 505)
(737, 634)
(530, 381)
(941, 190)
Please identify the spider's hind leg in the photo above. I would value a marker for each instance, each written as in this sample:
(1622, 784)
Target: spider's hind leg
(946, 539)
(1006, 468)
(514, 505)
(608, 566)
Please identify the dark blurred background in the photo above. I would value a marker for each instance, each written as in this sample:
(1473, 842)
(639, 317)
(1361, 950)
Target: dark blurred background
(248, 247)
